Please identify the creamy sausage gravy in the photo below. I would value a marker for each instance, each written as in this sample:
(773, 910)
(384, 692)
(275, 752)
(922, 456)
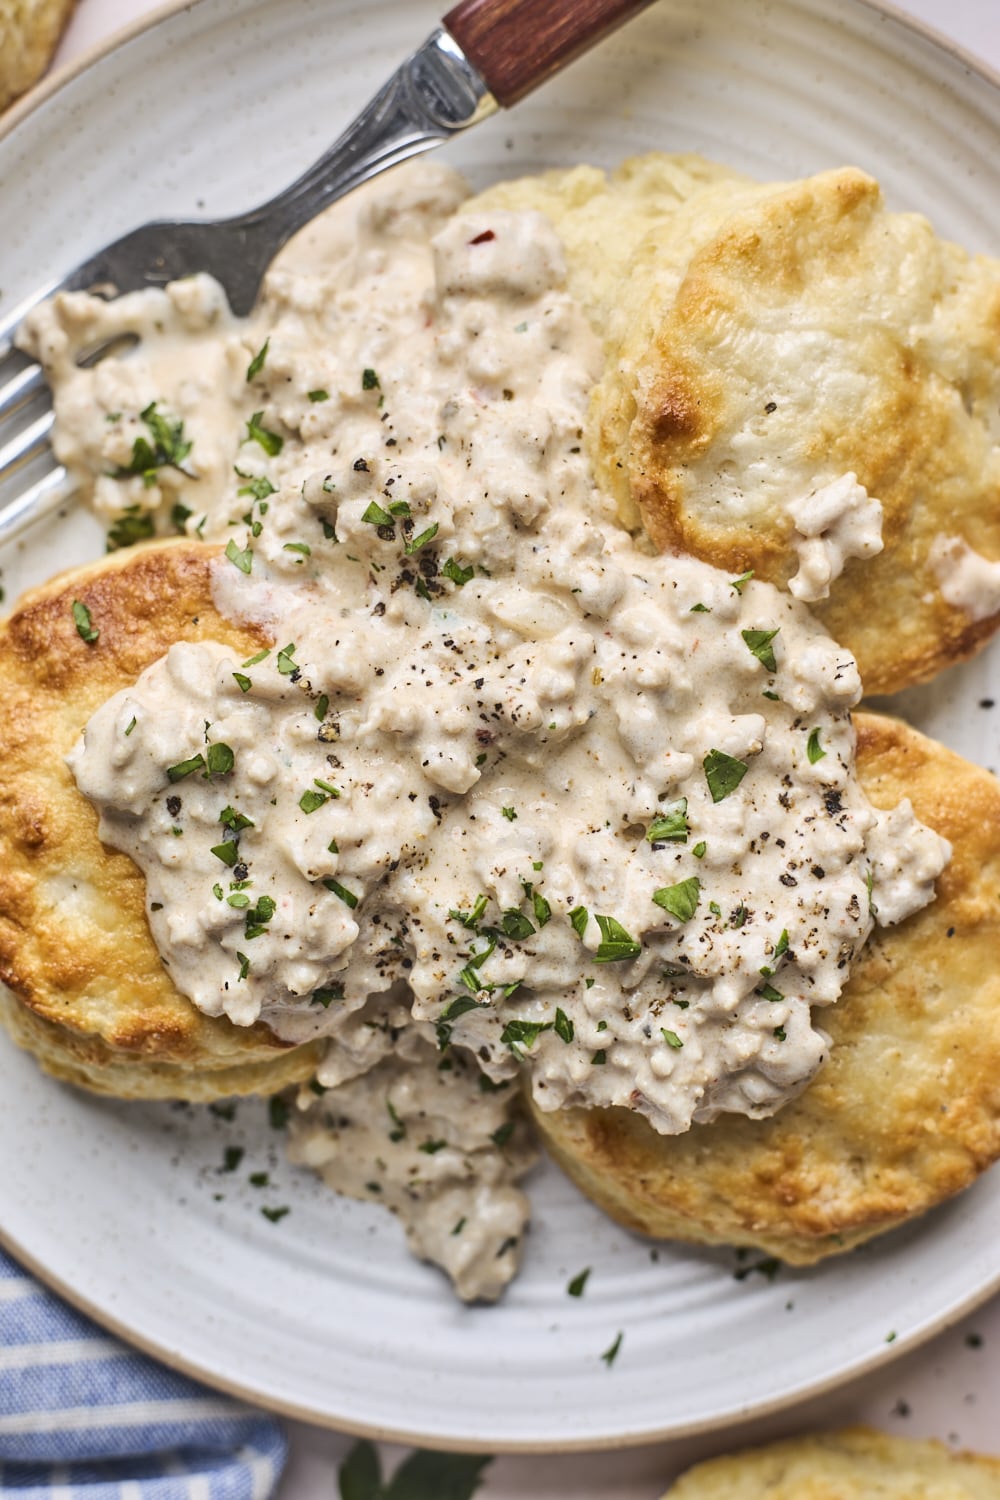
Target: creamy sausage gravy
(508, 797)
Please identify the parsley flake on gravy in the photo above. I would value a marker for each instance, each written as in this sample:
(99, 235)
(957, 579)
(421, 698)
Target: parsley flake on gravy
(257, 363)
(616, 944)
(814, 750)
(759, 644)
(271, 442)
(671, 825)
(680, 900)
(723, 773)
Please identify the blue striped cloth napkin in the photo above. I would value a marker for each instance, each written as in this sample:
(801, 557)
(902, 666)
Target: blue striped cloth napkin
(82, 1417)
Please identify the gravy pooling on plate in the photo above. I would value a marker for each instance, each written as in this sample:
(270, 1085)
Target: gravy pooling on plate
(506, 783)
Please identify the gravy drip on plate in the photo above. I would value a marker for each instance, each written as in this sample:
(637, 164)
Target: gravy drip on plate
(555, 804)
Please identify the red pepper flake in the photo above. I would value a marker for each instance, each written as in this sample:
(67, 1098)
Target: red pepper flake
(484, 238)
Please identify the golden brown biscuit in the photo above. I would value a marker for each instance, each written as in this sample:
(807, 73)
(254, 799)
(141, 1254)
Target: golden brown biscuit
(29, 34)
(773, 338)
(94, 1001)
(856, 1464)
(907, 1110)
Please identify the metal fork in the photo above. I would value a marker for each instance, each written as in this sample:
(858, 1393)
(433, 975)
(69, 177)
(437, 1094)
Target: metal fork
(487, 54)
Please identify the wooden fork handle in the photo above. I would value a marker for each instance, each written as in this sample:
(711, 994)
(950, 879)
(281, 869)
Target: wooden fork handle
(517, 44)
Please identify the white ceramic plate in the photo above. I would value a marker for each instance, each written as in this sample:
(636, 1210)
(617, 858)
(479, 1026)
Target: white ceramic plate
(124, 1208)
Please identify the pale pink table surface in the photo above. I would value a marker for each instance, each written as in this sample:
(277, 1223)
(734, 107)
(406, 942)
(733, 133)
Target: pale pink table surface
(950, 1389)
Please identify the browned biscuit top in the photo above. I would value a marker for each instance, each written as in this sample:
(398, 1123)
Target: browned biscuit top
(905, 1113)
(75, 945)
(800, 332)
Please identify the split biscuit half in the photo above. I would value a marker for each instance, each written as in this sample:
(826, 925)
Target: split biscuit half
(905, 1113)
(88, 992)
(762, 341)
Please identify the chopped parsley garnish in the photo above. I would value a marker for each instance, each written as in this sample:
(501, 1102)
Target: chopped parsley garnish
(680, 900)
(759, 645)
(228, 852)
(518, 1033)
(239, 900)
(774, 697)
(376, 516)
(318, 395)
(779, 1033)
(286, 663)
(454, 570)
(261, 656)
(610, 1355)
(723, 773)
(311, 801)
(271, 443)
(739, 583)
(241, 558)
(132, 525)
(460, 1225)
(431, 1148)
(579, 917)
(85, 627)
(258, 917)
(369, 381)
(699, 850)
(452, 1011)
(814, 749)
(671, 826)
(179, 514)
(398, 1132)
(185, 768)
(220, 759)
(514, 924)
(542, 909)
(616, 944)
(671, 1038)
(132, 723)
(244, 965)
(471, 918)
(326, 994)
(699, 609)
(277, 1112)
(421, 540)
(302, 547)
(781, 946)
(322, 706)
(503, 1133)
(242, 682)
(576, 1286)
(563, 1026)
(232, 1158)
(230, 818)
(257, 363)
(274, 1214)
(167, 450)
(348, 897)
(599, 1059)
(509, 813)
(259, 488)
(768, 992)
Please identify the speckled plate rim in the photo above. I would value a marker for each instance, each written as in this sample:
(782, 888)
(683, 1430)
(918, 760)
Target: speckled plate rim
(858, 1369)
(836, 1380)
